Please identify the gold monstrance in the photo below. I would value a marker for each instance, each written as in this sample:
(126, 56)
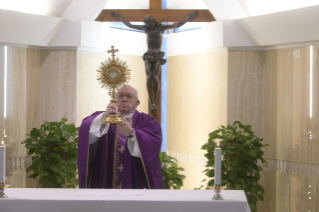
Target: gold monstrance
(113, 74)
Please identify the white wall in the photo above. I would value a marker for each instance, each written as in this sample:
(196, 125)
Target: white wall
(24, 28)
(225, 9)
(125, 4)
(100, 35)
(39, 7)
(261, 7)
(300, 25)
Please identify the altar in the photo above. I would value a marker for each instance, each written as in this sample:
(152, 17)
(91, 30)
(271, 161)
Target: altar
(115, 200)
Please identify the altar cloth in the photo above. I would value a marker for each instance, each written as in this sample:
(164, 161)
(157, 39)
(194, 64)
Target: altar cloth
(90, 200)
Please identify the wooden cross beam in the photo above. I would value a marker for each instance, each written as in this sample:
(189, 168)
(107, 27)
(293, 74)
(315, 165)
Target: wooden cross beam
(161, 15)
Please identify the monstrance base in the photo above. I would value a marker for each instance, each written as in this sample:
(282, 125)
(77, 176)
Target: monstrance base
(113, 119)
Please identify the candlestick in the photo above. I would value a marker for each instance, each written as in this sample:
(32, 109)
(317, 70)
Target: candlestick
(218, 164)
(2, 162)
(2, 187)
(218, 160)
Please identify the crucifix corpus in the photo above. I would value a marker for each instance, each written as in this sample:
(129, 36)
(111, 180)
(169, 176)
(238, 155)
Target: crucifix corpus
(154, 57)
(154, 30)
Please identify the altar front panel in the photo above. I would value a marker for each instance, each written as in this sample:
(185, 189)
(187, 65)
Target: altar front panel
(80, 200)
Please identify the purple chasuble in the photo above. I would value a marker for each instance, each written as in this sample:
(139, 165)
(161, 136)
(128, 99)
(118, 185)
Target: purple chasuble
(108, 163)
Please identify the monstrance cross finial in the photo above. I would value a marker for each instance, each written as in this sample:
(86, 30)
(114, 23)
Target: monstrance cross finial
(112, 51)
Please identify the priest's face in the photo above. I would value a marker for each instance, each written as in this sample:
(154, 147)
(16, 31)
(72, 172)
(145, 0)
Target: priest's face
(127, 100)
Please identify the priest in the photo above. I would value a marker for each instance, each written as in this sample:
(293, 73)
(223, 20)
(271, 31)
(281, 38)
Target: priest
(125, 155)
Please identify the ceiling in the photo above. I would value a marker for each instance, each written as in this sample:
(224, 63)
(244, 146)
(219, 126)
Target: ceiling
(222, 9)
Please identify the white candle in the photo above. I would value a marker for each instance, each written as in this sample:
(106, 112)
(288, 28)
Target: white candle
(2, 162)
(218, 161)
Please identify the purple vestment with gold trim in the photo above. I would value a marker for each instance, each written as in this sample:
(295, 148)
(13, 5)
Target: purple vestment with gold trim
(108, 163)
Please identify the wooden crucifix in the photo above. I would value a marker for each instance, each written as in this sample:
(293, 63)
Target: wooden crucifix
(154, 30)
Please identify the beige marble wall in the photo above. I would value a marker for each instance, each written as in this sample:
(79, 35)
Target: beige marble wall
(58, 85)
(290, 131)
(245, 96)
(196, 105)
(91, 97)
(314, 156)
(41, 85)
(15, 121)
(33, 90)
(288, 121)
(1, 89)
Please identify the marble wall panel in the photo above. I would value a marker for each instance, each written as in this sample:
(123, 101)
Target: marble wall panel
(245, 86)
(197, 95)
(270, 112)
(91, 97)
(58, 85)
(314, 156)
(304, 118)
(194, 176)
(196, 106)
(33, 88)
(290, 129)
(287, 121)
(33, 97)
(16, 111)
(2, 61)
(267, 181)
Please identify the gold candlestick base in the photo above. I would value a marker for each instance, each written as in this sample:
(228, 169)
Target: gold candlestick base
(2, 187)
(217, 195)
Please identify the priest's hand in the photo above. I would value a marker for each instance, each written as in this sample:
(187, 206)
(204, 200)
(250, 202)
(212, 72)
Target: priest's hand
(125, 129)
(111, 108)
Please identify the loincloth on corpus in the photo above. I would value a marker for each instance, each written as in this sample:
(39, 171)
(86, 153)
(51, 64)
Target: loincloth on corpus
(154, 57)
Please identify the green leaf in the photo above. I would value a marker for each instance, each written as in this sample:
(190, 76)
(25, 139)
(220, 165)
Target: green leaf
(260, 189)
(55, 168)
(232, 174)
(233, 161)
(261, 197)
(248, 128)
(211, 182)
(54, 155)
(52, 138)
(33, 176)
(64, 120)
(257, 176)
(72, 128)
(66, 133)
(31, 151)
(251, 153)
(58, 132)
(250, 180)
(211, 173)
(30, 146)
(252, 198)
(73, 160)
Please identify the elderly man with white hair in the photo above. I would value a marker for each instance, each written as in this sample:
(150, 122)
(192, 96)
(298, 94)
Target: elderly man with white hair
(125, 155)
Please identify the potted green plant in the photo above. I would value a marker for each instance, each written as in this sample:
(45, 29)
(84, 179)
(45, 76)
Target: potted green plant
(170, 169)
(53, 148)
(241, 151)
